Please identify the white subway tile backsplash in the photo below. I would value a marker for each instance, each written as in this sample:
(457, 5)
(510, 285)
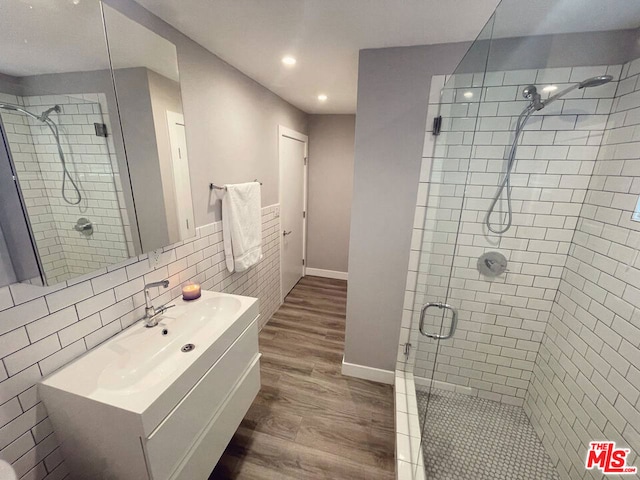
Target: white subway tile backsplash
(95, 304)
(6, 300)
(79, 330)
(18, 448)
(51, 323)
(22, 314)
(69, 296)
(17, 384)
(32, 354)
(12, 341)
(109, 280)
(128, 289)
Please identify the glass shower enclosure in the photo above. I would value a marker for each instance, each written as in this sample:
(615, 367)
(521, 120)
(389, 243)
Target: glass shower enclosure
(525, 333)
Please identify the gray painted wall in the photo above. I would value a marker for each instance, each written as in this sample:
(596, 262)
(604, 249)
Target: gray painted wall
(231, 120)
(393, 91)
(563, 50)
(136, 115)
(331, 150)
(18, 261)
(7, 275)
(10, 85)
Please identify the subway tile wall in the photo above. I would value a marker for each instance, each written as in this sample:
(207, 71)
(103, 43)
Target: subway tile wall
(43, 328)
(501, 320)
(586, 380)
(66, 253)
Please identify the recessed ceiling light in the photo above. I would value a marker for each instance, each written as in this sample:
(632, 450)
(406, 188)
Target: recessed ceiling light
(468, 94)
(550, 88)
(288, 60)
(322, 97)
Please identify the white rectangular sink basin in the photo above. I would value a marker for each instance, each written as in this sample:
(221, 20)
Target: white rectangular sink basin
(144, 370)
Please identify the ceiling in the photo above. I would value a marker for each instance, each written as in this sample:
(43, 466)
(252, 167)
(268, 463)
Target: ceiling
(132, 45)
(58, 36)
(325, 36)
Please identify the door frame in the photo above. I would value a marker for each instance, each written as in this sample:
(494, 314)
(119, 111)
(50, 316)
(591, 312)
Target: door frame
(177, 118)
(284, 132)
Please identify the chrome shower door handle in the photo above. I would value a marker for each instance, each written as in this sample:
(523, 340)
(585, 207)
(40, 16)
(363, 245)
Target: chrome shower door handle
(454, 320)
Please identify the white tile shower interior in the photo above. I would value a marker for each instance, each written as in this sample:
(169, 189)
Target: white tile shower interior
(586, 379)
(66, 253)
(42, 329)
(501, 320)
(555, 332)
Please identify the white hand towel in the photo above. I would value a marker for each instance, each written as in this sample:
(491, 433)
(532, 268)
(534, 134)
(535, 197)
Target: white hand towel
(242, 226)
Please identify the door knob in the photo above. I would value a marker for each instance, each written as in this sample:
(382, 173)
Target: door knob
(285, 233)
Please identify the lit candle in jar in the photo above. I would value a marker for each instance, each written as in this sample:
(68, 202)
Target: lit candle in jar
(191, 291)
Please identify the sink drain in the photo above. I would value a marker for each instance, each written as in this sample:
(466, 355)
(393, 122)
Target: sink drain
(188, 347)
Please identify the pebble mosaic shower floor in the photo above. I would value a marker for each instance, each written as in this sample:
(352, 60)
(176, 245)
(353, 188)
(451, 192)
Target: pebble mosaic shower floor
(470, 438)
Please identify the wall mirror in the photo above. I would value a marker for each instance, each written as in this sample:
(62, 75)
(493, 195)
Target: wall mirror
(147, 84)
(87, 178)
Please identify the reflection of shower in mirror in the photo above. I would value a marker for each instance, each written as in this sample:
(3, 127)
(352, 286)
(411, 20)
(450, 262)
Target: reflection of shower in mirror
(44, 118)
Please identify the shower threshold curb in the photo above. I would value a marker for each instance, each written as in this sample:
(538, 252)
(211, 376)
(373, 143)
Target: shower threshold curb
(409, 460)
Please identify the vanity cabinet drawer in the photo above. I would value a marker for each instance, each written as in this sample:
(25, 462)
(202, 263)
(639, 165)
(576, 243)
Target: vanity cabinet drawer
(175, 436)
(203, 457)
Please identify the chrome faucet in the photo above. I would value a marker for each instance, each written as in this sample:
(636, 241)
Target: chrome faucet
(151, 314)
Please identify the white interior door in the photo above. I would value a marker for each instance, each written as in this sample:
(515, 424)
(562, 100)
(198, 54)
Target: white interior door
(181, 180)
(293, 152)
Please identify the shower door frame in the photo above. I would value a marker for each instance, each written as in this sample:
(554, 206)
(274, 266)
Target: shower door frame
(483, 42)
(23, 208)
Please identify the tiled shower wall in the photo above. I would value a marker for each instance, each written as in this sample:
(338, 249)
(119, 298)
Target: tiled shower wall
(42, 329)
(586, 380)
(501, 320)
(66, 253)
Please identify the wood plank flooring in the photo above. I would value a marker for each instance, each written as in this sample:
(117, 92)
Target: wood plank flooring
(308, 421)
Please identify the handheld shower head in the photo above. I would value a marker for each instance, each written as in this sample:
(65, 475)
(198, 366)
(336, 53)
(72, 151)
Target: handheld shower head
(595, 81)
(44, 115)
(530, 92)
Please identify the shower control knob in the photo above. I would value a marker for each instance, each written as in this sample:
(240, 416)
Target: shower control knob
(84, 226)
(492, 264)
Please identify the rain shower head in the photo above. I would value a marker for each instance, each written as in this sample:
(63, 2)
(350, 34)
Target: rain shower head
(595, 81)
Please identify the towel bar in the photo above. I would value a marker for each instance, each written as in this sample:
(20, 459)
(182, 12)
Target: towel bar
(213, 186)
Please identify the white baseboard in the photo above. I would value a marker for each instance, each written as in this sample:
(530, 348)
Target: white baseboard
(318, 272)
(368, 373)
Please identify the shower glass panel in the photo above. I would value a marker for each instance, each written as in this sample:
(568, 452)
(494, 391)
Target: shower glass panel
(525, 293)
(438, 314)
